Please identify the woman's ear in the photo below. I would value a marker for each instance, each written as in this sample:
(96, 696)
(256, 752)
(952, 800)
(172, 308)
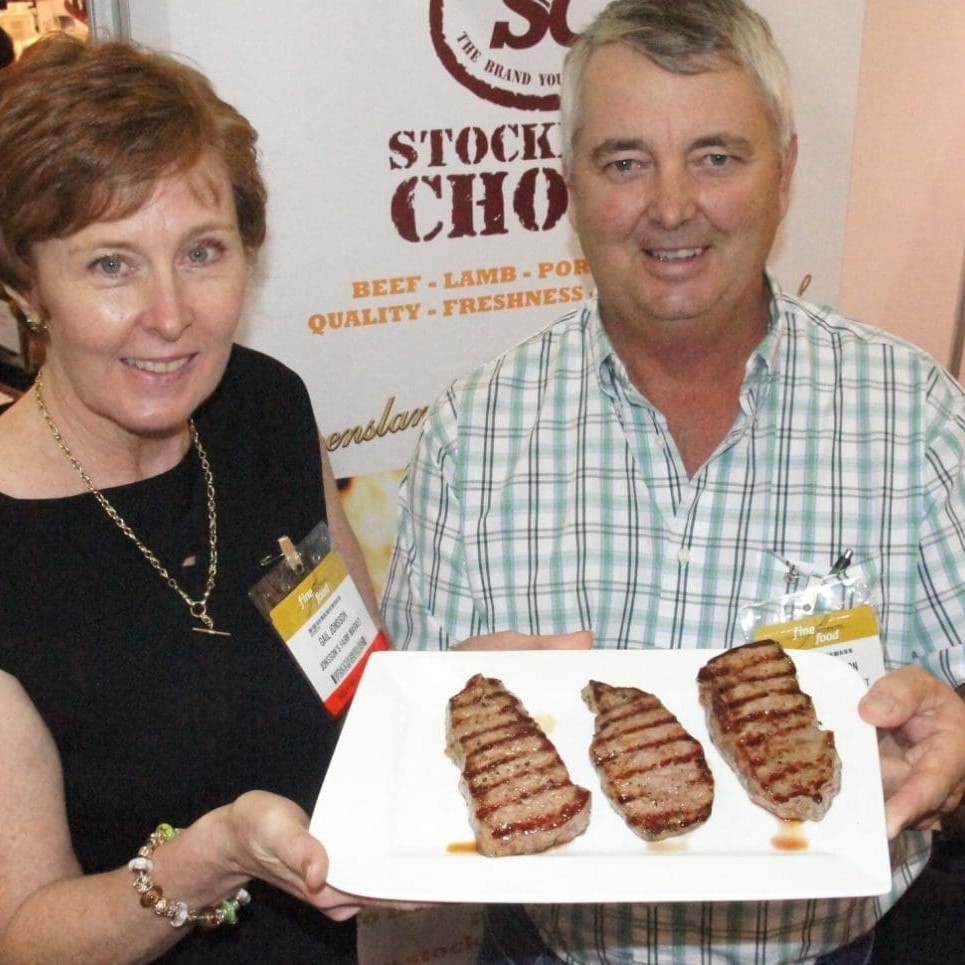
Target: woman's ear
(29, 315)
(21, 301)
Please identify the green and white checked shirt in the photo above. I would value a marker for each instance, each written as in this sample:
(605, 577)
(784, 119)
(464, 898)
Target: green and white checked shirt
(546, 495)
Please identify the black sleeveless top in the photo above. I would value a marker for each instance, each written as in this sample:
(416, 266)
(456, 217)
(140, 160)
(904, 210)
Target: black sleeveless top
(155, 722)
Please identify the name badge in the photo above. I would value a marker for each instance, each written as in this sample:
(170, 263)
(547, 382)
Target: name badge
(312, 601)
(834, 615)
(851, 635)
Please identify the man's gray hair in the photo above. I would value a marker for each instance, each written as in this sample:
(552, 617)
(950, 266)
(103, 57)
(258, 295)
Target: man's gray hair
(683, 37)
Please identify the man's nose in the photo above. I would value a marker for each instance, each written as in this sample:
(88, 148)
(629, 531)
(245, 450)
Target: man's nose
(674, 197)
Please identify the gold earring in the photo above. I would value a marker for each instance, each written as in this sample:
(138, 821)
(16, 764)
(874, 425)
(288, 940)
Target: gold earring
(35, 324)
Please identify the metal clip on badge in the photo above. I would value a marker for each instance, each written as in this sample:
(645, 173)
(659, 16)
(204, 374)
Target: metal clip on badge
(837, 592)
(841, 565)
(792, 575)
(288, 553)
(292, 557)
(797, 576)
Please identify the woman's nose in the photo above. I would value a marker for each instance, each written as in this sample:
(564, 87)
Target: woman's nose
(169, 310)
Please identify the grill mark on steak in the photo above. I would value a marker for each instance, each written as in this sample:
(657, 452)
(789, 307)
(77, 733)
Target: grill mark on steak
(766, 728)
(652, 770)
(520, 796)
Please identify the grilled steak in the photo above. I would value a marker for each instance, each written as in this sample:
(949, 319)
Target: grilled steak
(767, 730)
(653, 772)
(520, 796)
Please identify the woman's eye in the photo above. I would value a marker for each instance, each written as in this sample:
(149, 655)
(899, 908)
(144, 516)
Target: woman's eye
(109, 264)
(201, 254)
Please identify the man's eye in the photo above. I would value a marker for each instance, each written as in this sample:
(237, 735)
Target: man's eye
(625, 164)
(718, 160)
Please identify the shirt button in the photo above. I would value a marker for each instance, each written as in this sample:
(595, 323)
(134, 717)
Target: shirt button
(683, 555)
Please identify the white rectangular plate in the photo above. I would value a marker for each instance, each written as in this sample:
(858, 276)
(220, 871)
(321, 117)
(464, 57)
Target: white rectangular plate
(395, 825)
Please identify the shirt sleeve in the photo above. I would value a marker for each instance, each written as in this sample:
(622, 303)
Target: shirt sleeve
(427, 603)
(941, 550)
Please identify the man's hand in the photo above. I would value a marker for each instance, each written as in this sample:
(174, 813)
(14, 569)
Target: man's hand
(921, 741)
(511, 640)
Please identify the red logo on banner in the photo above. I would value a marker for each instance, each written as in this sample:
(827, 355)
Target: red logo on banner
(508, 52)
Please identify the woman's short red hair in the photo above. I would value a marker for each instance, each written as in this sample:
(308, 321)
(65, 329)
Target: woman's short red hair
(87, 129)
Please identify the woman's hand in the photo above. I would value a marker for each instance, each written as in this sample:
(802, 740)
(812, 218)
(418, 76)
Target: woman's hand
(921, 726)
(275, 845)
(270, 841)
(511, 640)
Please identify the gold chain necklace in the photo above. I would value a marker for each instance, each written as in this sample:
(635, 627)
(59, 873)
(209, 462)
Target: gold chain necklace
(198, 608)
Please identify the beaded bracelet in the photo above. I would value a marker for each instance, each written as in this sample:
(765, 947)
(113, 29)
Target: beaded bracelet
(207, 917)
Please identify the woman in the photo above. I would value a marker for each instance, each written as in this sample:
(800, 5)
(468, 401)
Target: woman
(7, 54)
(131, 209)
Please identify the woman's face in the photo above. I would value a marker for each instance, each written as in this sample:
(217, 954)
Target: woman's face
(141, 311)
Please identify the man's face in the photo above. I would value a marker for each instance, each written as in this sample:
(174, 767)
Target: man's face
(677, 188)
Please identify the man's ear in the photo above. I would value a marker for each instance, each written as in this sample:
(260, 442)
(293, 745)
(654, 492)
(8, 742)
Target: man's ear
(570, 208)
(788, 162)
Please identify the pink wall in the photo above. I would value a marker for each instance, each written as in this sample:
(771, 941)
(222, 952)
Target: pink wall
(905, 235)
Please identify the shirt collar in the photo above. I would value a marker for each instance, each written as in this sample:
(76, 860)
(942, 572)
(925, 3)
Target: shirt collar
(602, 356)
(764, 359)
(760, 366)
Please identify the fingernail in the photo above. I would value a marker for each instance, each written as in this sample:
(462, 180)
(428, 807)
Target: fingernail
(882, 702)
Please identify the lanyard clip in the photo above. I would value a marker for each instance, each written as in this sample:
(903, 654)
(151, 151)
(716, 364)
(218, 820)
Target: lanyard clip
(288, 553)
(841, 564)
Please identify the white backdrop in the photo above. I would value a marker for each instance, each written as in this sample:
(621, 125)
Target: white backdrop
(332, 86)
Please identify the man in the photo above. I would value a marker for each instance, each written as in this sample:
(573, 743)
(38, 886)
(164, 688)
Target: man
(648, 464)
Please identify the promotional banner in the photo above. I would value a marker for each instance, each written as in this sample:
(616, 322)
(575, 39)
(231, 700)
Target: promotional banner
(417, 219)
(418, 211)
